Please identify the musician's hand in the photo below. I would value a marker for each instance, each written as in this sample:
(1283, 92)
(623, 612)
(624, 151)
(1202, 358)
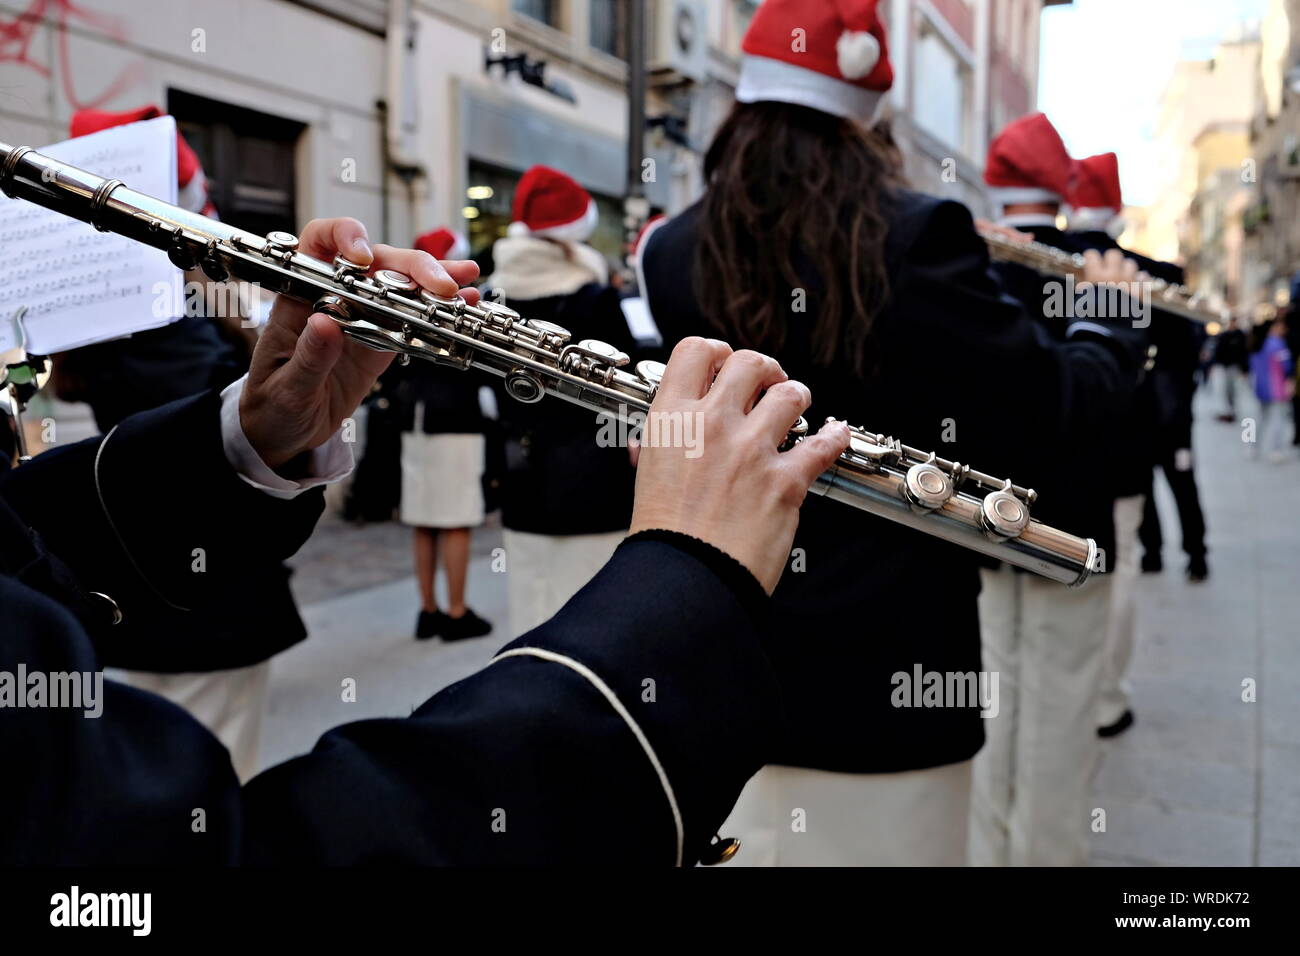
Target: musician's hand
(730, 486)
(306, 376)
(1113, 268)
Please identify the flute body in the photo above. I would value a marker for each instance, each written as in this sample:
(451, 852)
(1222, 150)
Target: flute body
(388, 311)
(1049, 260)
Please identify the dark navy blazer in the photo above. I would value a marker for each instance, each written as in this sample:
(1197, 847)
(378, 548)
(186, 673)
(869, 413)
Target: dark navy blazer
(627, 724)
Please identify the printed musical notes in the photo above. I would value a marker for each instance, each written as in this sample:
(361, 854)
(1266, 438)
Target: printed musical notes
(80, 285)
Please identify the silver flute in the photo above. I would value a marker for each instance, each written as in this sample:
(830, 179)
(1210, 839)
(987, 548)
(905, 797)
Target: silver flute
(1049, 260)
(388, 311)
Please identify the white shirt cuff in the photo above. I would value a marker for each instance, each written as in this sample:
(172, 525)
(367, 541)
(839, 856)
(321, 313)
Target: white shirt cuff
(329, 463)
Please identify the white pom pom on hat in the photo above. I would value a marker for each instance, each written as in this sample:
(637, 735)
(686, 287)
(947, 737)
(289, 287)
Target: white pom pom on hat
(857, 52)
(843, 68)
(517, 229)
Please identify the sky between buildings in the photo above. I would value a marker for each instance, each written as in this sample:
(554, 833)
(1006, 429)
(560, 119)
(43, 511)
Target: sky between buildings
(1104, 65)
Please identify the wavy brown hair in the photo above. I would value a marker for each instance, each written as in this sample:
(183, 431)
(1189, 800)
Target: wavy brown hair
(795, 195)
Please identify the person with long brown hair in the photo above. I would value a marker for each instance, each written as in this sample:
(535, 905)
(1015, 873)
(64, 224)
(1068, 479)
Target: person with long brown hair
(807, 246)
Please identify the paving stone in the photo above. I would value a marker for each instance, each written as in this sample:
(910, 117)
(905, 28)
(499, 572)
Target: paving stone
(367, 635)
(1170, 783)
(1204, 778)
(1174, 837)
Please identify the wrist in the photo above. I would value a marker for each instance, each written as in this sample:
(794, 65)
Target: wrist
(264, 445)
(753, 562)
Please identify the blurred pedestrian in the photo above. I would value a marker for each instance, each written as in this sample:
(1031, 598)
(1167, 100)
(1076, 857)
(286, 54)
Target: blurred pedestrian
(1293, 344)
(443, 454)
(566, 496)
(1271, 368)
(1171, 385)
(1231, 359)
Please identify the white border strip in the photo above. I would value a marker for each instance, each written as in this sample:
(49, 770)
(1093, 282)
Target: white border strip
(622, 711)
(639, 255)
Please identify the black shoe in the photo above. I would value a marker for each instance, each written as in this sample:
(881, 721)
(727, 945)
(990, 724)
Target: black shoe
(1114, 730)
(1151, 564)
(1197, 570)
(429, 624)
(468, 624)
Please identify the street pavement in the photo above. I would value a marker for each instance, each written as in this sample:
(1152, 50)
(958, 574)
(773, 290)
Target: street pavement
(1204, 777)
(366, 633)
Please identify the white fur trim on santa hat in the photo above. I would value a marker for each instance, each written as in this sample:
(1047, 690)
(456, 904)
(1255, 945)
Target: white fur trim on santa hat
(1028, 220)
(764, 80)
(579, 230)
(194, 194)
(1091, 218)
(857, 52)
(1003, 196)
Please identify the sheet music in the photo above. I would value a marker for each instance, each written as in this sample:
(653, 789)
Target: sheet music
(81, 285)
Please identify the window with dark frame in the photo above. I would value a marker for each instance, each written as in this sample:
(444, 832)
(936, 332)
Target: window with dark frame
(544, 11)
(608, 27)
(248, 159)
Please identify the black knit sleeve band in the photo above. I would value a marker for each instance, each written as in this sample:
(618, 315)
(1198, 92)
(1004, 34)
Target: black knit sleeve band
(732, 573)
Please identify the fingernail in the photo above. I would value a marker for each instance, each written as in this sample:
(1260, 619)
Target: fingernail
(362, 248)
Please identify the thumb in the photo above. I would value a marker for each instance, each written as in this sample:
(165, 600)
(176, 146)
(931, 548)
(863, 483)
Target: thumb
(314, 357)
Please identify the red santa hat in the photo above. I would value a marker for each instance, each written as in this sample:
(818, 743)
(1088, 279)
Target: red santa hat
(193, 191)
(1096, 200)
(830, 56)
(1028, 163)
(550, 203)
(442, 243)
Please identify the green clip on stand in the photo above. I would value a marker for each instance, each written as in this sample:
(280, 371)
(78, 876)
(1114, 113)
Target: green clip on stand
(21, 377)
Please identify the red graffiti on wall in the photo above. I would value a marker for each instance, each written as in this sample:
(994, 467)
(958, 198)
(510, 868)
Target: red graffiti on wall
(16, 40)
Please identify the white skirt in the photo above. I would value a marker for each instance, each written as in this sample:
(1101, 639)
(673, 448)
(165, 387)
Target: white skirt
(543, 571)
(442, 483)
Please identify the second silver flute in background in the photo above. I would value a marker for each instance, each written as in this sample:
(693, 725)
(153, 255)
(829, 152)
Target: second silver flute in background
(388, 311)
(1049, 260)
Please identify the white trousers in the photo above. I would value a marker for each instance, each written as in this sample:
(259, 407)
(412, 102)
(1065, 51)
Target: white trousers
(543, 571)
(229, 703)
(1273, 439)
(793, 816)
(1032, 780)
(1121, 615)
(1231, 382)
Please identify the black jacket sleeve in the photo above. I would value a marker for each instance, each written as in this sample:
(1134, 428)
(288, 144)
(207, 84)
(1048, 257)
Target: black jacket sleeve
(623, 729)
(124, 779)
(153, 516)
(1030, 400)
